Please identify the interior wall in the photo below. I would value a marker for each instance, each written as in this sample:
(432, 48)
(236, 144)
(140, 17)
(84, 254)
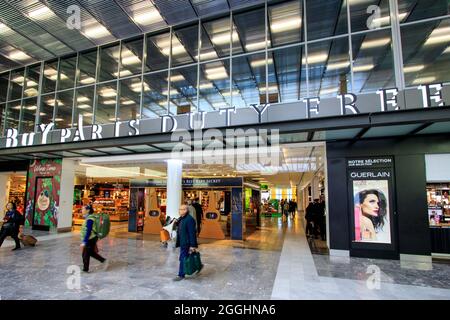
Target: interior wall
(410, 187)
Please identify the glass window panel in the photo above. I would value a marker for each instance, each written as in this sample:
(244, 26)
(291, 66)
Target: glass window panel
(369, 14)
(413, 10)
(46, 109)
(184, 94)
(4, 78)
(109, 62)
(250, 27)
(155, 97)
(249, 81)
(285, 23)
(84, 105)
(105, 111)
(426, 52)
(16, 85)
(2, 116)
(290, 73)
(185, 45)
(158, 50)
(32, 83)
(130, 98)
(50, 75)
(67, 72)
(12, 115)
(63, 112)
(86, 67)
(217, 34)
(29, 108)
(214, 88)
(329, 68)
(373, 66)
(326, 18)
(131, 57)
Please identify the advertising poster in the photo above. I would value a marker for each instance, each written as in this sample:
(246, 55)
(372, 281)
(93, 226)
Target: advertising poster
(371, 211)
(236, 214)
(370, 184)
(43, 190)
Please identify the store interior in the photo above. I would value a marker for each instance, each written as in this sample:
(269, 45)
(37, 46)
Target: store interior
(107, 183)
(15, 191)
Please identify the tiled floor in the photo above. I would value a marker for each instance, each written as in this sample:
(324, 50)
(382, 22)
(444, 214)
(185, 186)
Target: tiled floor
(275, 262)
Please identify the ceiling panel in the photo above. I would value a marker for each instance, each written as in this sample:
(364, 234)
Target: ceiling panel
(389, 131)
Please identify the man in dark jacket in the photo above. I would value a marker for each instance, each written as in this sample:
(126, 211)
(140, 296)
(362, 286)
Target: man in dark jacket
(11, 225)
(199, 212)
(186, 238)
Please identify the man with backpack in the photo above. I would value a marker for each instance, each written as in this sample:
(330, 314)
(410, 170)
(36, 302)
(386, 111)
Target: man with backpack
(90, 234)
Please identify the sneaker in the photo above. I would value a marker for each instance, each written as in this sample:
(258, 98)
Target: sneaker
(85, 271)
(105, 264)
(16, 248)
(178, 278)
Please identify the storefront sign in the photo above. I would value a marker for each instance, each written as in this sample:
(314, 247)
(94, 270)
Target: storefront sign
(390, 99)
(190, 182)
(370, 189)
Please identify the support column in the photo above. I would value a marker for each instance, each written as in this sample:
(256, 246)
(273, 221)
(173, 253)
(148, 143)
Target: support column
(174, 187)
(66, 195)
(4, 192)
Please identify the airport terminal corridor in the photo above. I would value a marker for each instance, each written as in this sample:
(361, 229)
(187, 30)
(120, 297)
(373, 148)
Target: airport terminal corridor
(275, 263)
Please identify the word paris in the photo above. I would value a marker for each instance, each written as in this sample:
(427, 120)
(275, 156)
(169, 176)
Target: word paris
(431, 94)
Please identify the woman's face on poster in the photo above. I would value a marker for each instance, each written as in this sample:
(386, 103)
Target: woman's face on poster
(371, 205)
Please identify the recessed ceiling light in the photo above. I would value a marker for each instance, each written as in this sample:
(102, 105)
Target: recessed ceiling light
(176, 78)
(257, 45)
(18, 55)
(261, 62)
(40, 13)
(148, 17)
(208, 85)
(337, 65)
(367, 44)
(109, 102)
(84, 106)
(424, 80)
(83, 99)
(364, 67)
(286, 25)
(413, 68)
(96, 32)
(315, 58)
(224, 38)
(439, 35)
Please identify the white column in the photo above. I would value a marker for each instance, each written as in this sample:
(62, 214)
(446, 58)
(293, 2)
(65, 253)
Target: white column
(174, 179)
(4, 192)
(66, 194)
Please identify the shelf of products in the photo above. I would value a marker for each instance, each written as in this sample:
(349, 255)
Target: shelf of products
(438, 205)
(104, 199)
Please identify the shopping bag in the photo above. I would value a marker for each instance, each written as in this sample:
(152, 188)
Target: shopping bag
(165, 236)
(28, 240)
(192, 263)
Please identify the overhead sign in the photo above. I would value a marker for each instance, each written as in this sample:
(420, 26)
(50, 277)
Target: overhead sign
(190, 182)
(390, 99)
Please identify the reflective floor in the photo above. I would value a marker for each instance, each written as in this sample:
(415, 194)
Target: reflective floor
(274, 263)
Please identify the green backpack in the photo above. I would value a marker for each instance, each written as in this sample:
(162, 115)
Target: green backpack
(101, 227)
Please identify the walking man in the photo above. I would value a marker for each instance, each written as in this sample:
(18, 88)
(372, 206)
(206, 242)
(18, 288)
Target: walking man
(186, 238)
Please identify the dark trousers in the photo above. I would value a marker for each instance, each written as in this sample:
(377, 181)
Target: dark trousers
(199, 223)
(4, 232)
(322, 227)
(184, 252)
(309, 228)
(90, 250)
